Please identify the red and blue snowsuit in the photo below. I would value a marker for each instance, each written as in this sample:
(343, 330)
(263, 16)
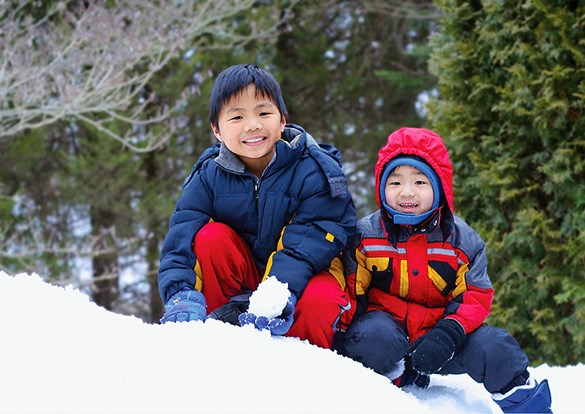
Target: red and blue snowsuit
(230, 230)
(407, 278)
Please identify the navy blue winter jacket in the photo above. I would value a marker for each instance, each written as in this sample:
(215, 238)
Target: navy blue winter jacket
(302, 191)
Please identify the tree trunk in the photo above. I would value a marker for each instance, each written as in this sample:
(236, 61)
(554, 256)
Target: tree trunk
(156, 233)
(105, 262)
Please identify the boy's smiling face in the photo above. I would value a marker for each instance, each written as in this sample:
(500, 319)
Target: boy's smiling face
(249, 125)
(409, 190)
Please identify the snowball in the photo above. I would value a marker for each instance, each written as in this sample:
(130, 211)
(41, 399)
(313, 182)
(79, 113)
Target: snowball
(270, 298)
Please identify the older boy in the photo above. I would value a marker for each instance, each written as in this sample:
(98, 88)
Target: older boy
(266, 201)
(421, 274)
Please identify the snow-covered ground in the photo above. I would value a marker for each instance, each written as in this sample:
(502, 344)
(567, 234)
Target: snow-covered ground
(60, 353)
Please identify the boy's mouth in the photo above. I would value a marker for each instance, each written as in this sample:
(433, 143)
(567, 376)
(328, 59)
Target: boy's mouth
(254, 140)
(408, 206)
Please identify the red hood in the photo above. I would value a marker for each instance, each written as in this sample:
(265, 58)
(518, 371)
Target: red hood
(427, 145)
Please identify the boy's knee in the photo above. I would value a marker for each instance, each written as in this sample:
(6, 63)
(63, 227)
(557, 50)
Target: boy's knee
(375, 340)
(212, 231)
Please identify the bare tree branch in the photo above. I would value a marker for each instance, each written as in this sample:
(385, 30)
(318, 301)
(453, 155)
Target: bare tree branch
(91, 61)
(413, 9)
(22, 247)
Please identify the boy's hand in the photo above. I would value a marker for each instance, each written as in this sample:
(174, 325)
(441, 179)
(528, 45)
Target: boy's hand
(411, 376)
(433, 350)
(185, 306)
(277, 326)
(231, 311)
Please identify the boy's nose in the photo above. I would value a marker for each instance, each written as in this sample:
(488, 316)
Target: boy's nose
(407, 191)
(252, 125)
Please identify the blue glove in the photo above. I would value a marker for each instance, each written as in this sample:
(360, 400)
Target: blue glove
(185, 306)
(277, 326)
(433, 350)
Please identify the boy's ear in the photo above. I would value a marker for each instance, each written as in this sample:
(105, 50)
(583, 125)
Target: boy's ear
(215, 131)
(282, 123)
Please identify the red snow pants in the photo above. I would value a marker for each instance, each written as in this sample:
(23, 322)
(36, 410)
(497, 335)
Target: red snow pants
(228, 269)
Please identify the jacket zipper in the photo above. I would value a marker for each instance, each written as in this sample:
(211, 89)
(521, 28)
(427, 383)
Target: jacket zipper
(256, 187)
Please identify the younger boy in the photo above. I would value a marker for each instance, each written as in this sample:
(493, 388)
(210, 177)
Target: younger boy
(267, 201)
(421, 274)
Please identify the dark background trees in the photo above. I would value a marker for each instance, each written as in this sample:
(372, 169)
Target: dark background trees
(90, 95)
(510, 105)
(85, 200)
(105, 189)
(352, 72)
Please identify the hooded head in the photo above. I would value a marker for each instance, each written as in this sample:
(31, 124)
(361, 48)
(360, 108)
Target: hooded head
(421, 165)
(424, 150)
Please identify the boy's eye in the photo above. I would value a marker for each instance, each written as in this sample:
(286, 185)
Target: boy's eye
(420, 182)
(235, 118)
(265, 113)
(391, 183)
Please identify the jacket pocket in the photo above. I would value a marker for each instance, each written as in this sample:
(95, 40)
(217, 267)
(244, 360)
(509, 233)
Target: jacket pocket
(381, 270)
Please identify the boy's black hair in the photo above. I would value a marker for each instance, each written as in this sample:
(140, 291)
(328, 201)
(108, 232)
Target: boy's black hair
(236, 78)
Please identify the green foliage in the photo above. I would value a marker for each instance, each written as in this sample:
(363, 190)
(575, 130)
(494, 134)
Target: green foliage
(33, 220)
(351, 75)
(511, 108)
(403, 82)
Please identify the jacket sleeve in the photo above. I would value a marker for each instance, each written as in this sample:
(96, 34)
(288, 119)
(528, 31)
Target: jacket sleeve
(321, 228)
(473, 293)
(177, 261)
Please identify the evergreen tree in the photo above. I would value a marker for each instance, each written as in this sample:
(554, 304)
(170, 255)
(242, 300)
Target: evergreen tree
(34, 224)
(351, 73)
(510, 106)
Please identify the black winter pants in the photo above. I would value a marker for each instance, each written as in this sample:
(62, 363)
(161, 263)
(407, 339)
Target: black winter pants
(490, 355)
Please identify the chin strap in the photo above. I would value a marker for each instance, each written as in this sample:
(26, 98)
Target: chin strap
(410, 219)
